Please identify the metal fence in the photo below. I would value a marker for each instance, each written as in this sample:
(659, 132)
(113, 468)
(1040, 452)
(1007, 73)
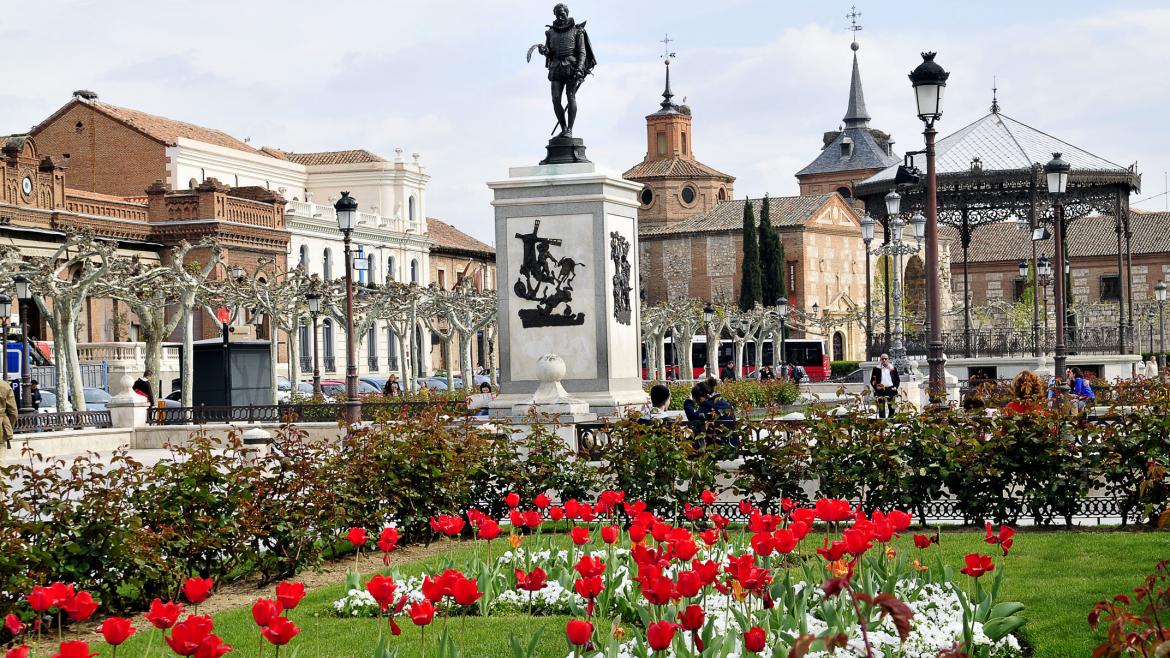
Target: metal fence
(64, 420)
(1010, 342)
(305, 413)
(93, 375)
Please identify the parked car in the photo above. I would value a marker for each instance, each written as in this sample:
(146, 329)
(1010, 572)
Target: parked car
(284, 389)
(95, 398)
(433, 383)
(375, 381)
(335, 388)
(476, 380)
(48, 402)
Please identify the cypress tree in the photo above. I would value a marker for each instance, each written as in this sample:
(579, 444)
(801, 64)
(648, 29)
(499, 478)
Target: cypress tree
(750, 287)
(771, 259)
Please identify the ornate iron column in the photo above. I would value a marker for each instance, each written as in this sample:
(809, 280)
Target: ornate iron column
(1057, 172)
(23, 299)
(1160, 297)
(936, 387)
(346, 208)
(965, 238)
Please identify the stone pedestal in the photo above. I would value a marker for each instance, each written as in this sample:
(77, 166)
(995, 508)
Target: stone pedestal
(565, 150)
(567, 277)
(127, 408)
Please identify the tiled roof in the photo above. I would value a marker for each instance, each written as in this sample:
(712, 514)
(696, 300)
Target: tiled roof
(728, 215)
(167, 131)
(867, 153)
(1003, 144)
(1093, 235)
(446, 236)
(352, 156)
(674, 168)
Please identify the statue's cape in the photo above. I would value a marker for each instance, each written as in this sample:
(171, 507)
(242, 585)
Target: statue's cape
(590, 60)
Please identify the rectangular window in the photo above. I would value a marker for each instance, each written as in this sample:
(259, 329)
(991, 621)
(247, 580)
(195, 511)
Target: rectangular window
(1018, 286)
(1110, 288)
(684, 143)
(661, 143)
(442, 279)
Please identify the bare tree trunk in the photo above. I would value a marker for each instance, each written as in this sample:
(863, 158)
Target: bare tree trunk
(294, 365)
(273, 362)
(73, 366)
(465, 361)
(188, 347)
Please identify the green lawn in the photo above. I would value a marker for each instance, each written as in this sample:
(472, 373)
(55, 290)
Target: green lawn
(1058, 575)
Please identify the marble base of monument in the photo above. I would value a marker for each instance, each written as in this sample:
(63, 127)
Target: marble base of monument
(565, 150)
(567, 282)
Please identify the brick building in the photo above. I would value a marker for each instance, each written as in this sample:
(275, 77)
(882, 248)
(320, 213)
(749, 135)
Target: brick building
(690, 229)
(455, 257)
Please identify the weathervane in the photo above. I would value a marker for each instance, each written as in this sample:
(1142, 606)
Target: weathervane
(853, 15)
(666, 52)
(994, 95)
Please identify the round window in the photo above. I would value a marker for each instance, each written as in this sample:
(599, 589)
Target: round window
(688, 194)
(647, 196)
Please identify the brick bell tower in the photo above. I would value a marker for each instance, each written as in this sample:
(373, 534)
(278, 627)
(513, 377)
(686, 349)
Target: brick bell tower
(675, 185)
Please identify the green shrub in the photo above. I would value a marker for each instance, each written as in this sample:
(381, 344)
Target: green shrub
(842, 368)
(744, 395)
(659, 463)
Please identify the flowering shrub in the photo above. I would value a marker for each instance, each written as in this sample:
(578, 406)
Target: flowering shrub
(742, 394)
(1137, 626)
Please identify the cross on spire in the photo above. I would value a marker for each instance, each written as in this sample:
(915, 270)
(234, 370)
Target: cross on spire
(666, 56)
(666, 52)
(994, 94)
(853, 15)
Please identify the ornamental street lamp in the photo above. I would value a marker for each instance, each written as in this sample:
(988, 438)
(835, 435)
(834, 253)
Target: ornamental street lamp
(347, 211)
(1056, 173)
(1044, 278)
(24, 295)
(929, 81)
(782, 311)
(5, 313)
(1160, 296)
(708, 318)
(1150, 328)
(867, 225)
(314, 302)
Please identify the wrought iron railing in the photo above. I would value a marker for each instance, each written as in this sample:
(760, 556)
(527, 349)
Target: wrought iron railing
(63, 420)
(330, 363)
(372, 361)
(305, 412)
(392, 363)
(306, 363)
(1010, 342)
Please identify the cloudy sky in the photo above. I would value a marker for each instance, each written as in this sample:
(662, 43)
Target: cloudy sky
(447, 79)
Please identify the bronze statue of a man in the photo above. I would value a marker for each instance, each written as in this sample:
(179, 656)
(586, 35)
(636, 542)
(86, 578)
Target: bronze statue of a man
(569, 58)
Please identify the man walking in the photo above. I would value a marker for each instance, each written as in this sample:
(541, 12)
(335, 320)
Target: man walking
(144, 388)
(884, 381)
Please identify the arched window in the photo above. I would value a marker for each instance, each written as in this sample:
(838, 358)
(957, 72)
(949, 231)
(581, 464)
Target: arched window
(722, 196)
(845, 193)
(838, 346)
(417, 352)
(372, 263)
(361, 272)
(414, 270)
(327, 344)
(306, 346)
(372, 348)
(327, 264)
(410, 209)
(305, 257)
(391, 348)
(390, 269)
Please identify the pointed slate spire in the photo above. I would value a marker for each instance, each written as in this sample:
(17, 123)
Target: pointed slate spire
(856, 115)
(666, 94)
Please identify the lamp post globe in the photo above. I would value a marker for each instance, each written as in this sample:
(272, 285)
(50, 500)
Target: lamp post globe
(1160, 292)
(23, 289)
(708, 314)
(313, 300)
(347, 210)
(5, 308)
(1044, 266)
(816, 309)
(918, 223)
(893, 203)
(1056, 171)
(867, 225)
(929, 80)
(896, 229)
(1023, 265)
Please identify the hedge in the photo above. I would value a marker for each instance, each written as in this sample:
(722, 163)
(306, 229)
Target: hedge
(842, 368)
(744, 395)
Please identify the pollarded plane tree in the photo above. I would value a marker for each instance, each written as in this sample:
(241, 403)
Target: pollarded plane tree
(655, 325)
(370, 304)
(405, 302)
(281, 296)
(163, 296)
(745, 327)
(686, 320)
(60, 284)
(465, 311)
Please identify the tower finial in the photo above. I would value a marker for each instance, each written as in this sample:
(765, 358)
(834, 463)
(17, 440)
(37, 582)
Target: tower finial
(994, 96)
(855, 113)
(667, 55)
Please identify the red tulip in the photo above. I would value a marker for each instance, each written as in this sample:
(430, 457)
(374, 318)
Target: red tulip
(637, 533)
(212, 647)
(580, 535)
(533, 581)
(188, 634)
(532, 519)
(831, 510)
(79, 606)
(804, 515)
(921, 541)
(488, 529)
(41, 599)
(512, 500)
(977, 565)
(901, 520)
(610, 534)
(264, 611)
(692, 618)
(542, 501)
(693, 513)
(13, 624)
(280, 631)
(75, 649)
(689, 584)
(197, 589)
(357, 537)
(17, 652)
(163, 615)
(660, 634)
(1004, 538)
(579, 632)
(589, 566)
(707, 497)
(556, 513)
(422, 613)
(389, 540)
(590, 587)
(755, 639)
(784, 541)
(432, 588)
(290, 594)
(745, 507)
(762, 544)
(382, 589)
(116, 630)
(60, 592)
(466, 591)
